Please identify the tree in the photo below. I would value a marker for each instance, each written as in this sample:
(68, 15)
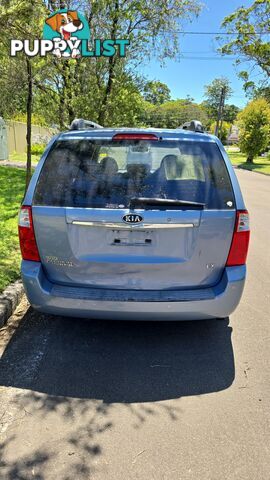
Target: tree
(224, 131)
(250, 37)
(173, 114)
(103, 89)
(125, 105)
(15, 20)
(216, 94)
(260, 92)
(152, 30)
(151, 27)
(156, 92)
(254, 124)
(230, 113)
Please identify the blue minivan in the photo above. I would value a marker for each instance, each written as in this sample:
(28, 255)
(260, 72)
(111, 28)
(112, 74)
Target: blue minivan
(141, 224)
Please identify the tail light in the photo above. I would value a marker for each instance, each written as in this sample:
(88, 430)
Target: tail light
(239, 246)
(27, 237)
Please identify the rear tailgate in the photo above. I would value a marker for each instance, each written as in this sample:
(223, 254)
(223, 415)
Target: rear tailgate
(83, 240)
(171, 250)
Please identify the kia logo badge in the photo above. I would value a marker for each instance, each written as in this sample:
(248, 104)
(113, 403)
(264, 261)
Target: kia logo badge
(132, 218)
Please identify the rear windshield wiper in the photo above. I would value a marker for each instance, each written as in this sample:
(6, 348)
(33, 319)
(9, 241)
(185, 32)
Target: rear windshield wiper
(166, 202)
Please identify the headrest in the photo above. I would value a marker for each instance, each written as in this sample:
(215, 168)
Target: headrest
(172, 166)
(138, 169)
(109, 166)
(139, 155)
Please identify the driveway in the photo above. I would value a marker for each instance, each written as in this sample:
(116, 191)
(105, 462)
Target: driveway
(148, 401)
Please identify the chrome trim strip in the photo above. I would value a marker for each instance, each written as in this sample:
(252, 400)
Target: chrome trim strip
(133, 226)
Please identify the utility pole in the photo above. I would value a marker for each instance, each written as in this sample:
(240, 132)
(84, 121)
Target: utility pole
(220, 111)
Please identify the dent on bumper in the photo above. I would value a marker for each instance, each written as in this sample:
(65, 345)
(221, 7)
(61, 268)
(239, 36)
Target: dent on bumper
(226, 296)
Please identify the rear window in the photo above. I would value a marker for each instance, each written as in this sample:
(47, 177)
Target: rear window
(105, 174)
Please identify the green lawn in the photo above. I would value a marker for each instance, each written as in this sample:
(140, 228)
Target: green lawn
(260, 164)
(11, 194)
(21, 157)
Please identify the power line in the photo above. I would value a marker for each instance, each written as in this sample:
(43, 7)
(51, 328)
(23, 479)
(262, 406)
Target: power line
(217, 33)
(208, 58)
(200, 55)
(198, 52)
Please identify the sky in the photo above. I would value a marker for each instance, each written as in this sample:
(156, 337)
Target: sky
(188, 76)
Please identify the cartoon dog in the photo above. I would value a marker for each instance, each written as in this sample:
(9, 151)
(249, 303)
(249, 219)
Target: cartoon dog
(65, 24)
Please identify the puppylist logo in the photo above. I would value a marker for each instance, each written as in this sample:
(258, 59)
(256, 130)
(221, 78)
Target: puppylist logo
(66, 33)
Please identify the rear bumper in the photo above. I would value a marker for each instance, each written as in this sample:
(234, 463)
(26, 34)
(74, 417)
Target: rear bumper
(217, 302)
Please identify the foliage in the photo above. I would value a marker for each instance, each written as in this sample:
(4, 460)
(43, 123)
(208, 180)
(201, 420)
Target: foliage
(20, 20)
(254, 124)
(156, 92)
(151, 27)
(224, 131)
(37, 119)
(37, 148)
(12, 86)
(124, 107)
(259, 92)
(230, 113)
(173, 114)
(65, 89)
(248, 43)
(213, 94)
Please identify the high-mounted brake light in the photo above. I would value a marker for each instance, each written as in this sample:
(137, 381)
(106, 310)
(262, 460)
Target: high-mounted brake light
(134, 136)
(27, 237)
(239, 246)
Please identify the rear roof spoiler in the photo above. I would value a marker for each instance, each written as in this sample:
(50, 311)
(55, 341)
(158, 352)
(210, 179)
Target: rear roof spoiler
(194, 126)
(81, 124)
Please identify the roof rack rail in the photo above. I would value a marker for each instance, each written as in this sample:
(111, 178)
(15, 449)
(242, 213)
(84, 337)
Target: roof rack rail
(194, 126)
(81, 124)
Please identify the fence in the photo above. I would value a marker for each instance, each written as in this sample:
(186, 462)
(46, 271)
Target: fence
(3, 140)
(16, 136)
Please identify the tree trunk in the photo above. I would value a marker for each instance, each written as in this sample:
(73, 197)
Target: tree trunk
(70, 88)
(29, 121)
(62, 110)
(66, 91)
(220, 113)
(112, 64)
(108, 90)
(250, 159)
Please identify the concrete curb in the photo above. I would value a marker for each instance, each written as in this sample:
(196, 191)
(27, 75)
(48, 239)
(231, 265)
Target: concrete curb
(9, 300)
(252, 171)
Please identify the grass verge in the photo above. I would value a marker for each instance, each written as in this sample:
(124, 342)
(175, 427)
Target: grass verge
(21, 158)
(12, 181)
(260, 164)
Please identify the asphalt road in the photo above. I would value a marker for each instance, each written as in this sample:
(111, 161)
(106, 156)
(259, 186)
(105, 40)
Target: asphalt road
(148, 401)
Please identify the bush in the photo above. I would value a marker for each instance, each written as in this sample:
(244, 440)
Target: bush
(38, 148)
(223, 133)
(36, 119)
(254, 124)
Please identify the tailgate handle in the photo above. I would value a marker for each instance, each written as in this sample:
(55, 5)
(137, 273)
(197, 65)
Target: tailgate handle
(121, 226)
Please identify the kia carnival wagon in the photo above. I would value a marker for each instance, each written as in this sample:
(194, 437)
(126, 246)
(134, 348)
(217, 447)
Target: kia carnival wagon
(142, 224)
